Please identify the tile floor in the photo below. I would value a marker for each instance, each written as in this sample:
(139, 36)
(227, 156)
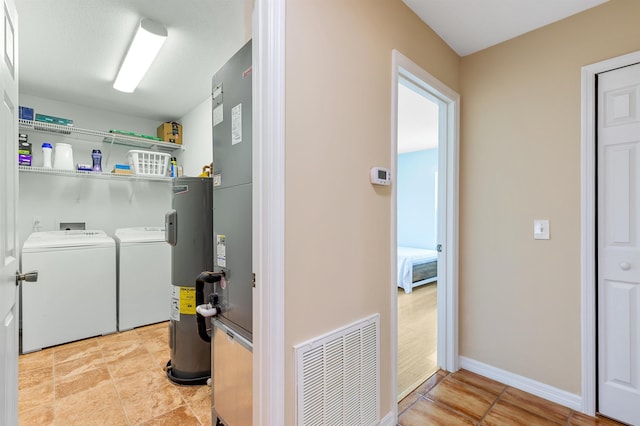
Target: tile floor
(119, 380)
(465, 398)
(108, 380)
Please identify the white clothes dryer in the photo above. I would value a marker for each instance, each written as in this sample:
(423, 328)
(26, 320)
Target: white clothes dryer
(144, 277)
(75, 295)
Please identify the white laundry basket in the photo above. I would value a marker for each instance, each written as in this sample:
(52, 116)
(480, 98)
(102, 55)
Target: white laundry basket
(148, 163)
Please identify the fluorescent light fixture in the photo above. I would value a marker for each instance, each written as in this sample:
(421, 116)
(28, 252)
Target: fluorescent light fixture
(143, 50)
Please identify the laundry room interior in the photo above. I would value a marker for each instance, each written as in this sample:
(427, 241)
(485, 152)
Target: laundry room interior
(115, 201)
(46, 200)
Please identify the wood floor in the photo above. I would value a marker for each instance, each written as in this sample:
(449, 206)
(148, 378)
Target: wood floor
(108, 380)
(417, 337)
(465, 398)
(429, 396)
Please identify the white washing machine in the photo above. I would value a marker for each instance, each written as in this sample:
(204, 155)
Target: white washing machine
(75, 295)
(144, 277)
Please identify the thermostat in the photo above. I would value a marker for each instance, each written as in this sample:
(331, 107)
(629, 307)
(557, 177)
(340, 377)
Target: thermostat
(380, 176)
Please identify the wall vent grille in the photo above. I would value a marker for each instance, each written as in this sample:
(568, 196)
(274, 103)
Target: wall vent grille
(338, 376)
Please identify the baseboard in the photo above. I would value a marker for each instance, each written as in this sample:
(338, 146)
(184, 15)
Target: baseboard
(388, 420)
(525, 384)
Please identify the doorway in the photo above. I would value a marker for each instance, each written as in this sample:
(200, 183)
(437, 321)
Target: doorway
(444, 223)
(417, 219)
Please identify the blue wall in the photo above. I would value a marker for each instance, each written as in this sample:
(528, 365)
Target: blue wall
(417, 199)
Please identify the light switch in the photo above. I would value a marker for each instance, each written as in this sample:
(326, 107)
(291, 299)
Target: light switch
(541, 229)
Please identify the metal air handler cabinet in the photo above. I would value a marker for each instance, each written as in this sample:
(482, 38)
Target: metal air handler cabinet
(232, 240)
(189, 230)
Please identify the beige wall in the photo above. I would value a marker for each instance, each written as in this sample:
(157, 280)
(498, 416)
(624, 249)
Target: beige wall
(338, 114)
(520, 160)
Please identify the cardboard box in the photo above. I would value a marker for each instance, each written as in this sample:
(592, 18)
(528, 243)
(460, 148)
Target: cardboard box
(121, 169)
(134, 134)
(64, 122)
(171, 132)
(54, 120)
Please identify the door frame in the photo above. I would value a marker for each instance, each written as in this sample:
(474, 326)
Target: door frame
(403, 67)
(268, 91)
(588, 249)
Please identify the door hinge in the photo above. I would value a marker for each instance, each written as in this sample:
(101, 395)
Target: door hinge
(439, 248)
(253, 279)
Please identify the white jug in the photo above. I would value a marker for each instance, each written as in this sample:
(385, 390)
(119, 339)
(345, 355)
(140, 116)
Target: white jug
(63, 157)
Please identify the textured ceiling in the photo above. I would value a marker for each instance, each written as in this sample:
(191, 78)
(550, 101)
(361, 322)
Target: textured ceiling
(70, 50)
(468, 26)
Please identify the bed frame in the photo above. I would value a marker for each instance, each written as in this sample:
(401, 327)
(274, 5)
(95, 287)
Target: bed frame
(419, 266)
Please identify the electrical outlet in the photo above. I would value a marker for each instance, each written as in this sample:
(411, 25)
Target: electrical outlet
(36, 224)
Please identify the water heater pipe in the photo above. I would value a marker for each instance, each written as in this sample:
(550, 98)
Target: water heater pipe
(205, 277)
(207, 310)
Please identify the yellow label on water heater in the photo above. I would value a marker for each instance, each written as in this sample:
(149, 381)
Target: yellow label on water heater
(188, 300)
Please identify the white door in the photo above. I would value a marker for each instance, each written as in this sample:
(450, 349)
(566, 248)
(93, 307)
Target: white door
(619, 244)
(9, 250)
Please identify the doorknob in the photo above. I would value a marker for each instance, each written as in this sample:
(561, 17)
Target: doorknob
(29, 277)
(625, 266)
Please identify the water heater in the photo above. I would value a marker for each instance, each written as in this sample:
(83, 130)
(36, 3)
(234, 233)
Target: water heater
(189, 230)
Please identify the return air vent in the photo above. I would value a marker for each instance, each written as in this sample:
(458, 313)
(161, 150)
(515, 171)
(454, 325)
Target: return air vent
(338, 376)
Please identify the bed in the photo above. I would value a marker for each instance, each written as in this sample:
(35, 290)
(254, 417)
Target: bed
(416, 266)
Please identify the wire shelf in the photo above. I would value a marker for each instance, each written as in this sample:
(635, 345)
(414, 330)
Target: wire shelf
(106, 137)
(96, 175)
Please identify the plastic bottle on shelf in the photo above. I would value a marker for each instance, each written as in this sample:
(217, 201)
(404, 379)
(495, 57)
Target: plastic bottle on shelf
(174, 167)
(47, 149)
(63, 159)
(96, 156)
